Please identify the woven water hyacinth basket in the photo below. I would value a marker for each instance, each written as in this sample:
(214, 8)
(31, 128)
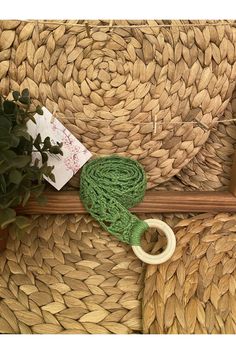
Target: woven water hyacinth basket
(210, 169)
(108, 86)
(195, 291)
(68, 276)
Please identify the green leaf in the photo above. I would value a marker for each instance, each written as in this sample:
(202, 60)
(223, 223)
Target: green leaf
(16, 95)
(9, 107)
(38, 141)
(22, 222)
(14, 140)
(24, 100)
(25, 93)
(47, 143)
(17, 162)
(46, 170)
(39, 110)
(44, 157)
(7, 155)
(20, 131)
(26, 198)
(5, 123)
(15, 176)
(32, 119)
(52, 177)
(8, 140)
(55, 150)
(22, 161)
(38, 190)
(14, 202)
(7, 216)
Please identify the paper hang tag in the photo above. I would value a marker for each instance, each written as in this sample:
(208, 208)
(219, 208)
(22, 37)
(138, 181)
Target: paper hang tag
(75, 154)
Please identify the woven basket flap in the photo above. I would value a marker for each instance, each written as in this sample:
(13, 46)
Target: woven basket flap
(194, 292)
(211, 168)
(110, 85)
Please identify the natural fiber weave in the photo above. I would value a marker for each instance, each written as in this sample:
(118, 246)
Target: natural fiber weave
(69, 276)
(126, 77)
(210, 169)
(195, 291)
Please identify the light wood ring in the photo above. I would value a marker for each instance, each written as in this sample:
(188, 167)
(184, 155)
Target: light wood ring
(169, 250)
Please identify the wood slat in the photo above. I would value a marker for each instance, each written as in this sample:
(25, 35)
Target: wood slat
(154, 202)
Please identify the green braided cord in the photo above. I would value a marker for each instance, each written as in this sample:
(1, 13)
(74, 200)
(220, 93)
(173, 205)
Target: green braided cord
(108, 187)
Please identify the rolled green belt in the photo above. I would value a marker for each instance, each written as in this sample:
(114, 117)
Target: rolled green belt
(109, 186)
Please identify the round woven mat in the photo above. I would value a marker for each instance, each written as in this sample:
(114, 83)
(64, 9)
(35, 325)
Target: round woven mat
(108, 88)
(69, 276)
(210, 169)
(194, 292)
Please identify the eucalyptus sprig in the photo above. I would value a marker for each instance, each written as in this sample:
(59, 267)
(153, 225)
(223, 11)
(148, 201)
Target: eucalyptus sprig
(20, 176)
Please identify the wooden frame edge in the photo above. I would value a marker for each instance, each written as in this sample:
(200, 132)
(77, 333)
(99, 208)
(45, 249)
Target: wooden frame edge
(68, 202)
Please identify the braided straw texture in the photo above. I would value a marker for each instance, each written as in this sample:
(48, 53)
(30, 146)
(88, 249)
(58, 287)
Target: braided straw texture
(125, 77)
(69, 276)
(194, 292)
(210, 169)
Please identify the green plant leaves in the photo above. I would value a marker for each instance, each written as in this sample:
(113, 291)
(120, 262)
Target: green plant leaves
(25, 93)
(47, 143)
(7, 140)
(44, 157)
(15, 176)
(7, 216)
(39, 110)
(22, 222)
(21, 131)
(24, 100)
(22, 161)
(25, 97)
(16, 95)
(26, 198)
(17, 162)
(38, 141)
(20, 176)
(9, 107)
(5, 123)
(55, 150)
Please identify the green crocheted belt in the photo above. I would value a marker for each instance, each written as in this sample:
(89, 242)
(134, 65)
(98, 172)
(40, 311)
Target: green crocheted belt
(109, 186)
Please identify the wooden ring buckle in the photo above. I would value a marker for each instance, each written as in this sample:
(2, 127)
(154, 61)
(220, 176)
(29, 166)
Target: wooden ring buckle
(169, 250)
